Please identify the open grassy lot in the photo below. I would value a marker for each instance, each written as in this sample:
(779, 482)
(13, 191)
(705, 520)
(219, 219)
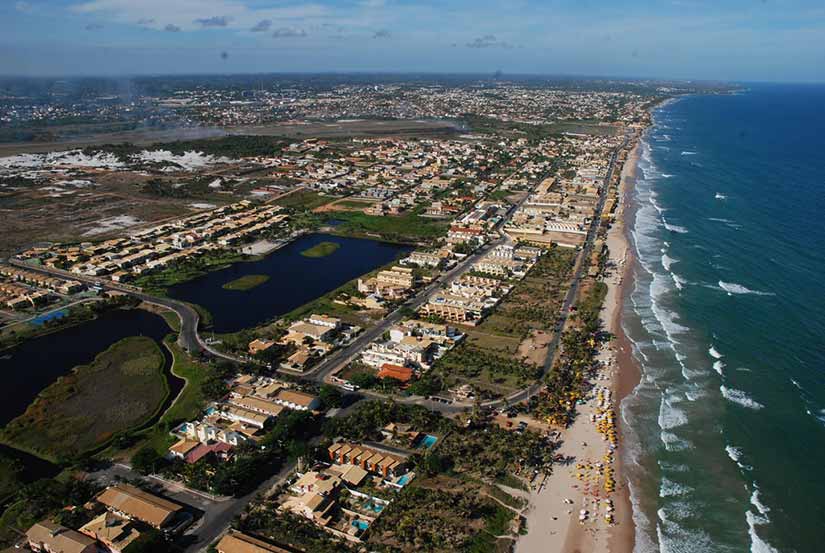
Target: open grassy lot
(305, 199)
(409, 226)
(535, 301)
(493, 374)
(120, 389)
(321, 250)
(246, 282)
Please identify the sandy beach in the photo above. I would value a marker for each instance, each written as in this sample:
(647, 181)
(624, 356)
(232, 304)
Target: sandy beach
(556, 507)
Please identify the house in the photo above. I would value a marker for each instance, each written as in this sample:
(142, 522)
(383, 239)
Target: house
(113, 531)
(49, 537)
(299, 401)
(258, 405)
(297, 361)
(181, 449)
(385, 464)
(236, 542)
(136, 504)
(397, 372)
(260, 344)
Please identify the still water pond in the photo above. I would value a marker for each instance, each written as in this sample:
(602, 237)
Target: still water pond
(294, 280)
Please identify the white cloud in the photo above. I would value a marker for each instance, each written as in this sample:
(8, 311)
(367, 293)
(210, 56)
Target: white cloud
(189, 14)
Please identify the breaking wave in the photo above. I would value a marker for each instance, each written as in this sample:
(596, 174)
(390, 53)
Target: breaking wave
(740, 398)
(733, 288)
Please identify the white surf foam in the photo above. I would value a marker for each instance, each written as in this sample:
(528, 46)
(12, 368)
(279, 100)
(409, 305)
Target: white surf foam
(669, 488)
(714, 353)
(678, 281)
(718, 366)
(740, 398)
(720, 196)
(667, 261)
(673, 442)
(734, 453)
(670, 416)
(734, 288)
(758, 545)
(688, 153)
(675, 228)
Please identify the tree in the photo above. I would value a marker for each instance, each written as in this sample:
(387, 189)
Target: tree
(150, 541)
(330, 396)
(146, 460)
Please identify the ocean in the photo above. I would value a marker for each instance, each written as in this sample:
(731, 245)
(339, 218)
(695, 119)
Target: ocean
(725, 433)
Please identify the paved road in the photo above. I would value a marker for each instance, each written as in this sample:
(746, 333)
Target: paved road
(188, 337)
(341, 357)
(451, 408)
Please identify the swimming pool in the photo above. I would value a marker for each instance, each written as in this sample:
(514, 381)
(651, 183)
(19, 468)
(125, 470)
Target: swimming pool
(404, 480)
(369, 505)
(428, 441)
(361, 524)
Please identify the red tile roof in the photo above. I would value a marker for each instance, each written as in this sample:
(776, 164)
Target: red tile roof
(404, 374)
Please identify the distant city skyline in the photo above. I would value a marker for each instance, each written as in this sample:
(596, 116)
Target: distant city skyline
(736, 40)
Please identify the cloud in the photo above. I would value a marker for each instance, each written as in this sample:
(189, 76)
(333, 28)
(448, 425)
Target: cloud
(23, 7)
(94, 27)
(261, 26)
(488, 41)
(286, 32)
(216, 21)
(383, 33)
(146, 21)
(171, 28)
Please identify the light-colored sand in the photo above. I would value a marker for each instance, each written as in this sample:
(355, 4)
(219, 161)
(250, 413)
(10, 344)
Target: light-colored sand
(553, 524)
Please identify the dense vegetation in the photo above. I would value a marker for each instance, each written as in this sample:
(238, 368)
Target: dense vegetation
(228, 146)
(566, 381)
(422, 519)
(491, 372)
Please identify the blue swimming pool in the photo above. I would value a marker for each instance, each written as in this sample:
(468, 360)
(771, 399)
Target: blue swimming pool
(404, 480)
(428, 441)
(369, 505)
(361, 524)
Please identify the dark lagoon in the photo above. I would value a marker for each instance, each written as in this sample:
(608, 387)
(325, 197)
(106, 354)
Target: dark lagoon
(33, 365)
(294, 280)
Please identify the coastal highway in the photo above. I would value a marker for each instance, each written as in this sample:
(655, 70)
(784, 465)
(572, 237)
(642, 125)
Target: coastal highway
(581, 265)
(452, 408)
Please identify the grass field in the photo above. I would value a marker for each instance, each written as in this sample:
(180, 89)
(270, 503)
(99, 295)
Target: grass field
(321, 250)
(246, 282)
(493, 373)
(119, 390)
(304, 199)
(405, 227)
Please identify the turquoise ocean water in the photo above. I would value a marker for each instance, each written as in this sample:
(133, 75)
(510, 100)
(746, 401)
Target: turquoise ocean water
(726, 431)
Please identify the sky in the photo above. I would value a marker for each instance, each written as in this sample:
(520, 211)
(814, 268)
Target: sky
(731, 40)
